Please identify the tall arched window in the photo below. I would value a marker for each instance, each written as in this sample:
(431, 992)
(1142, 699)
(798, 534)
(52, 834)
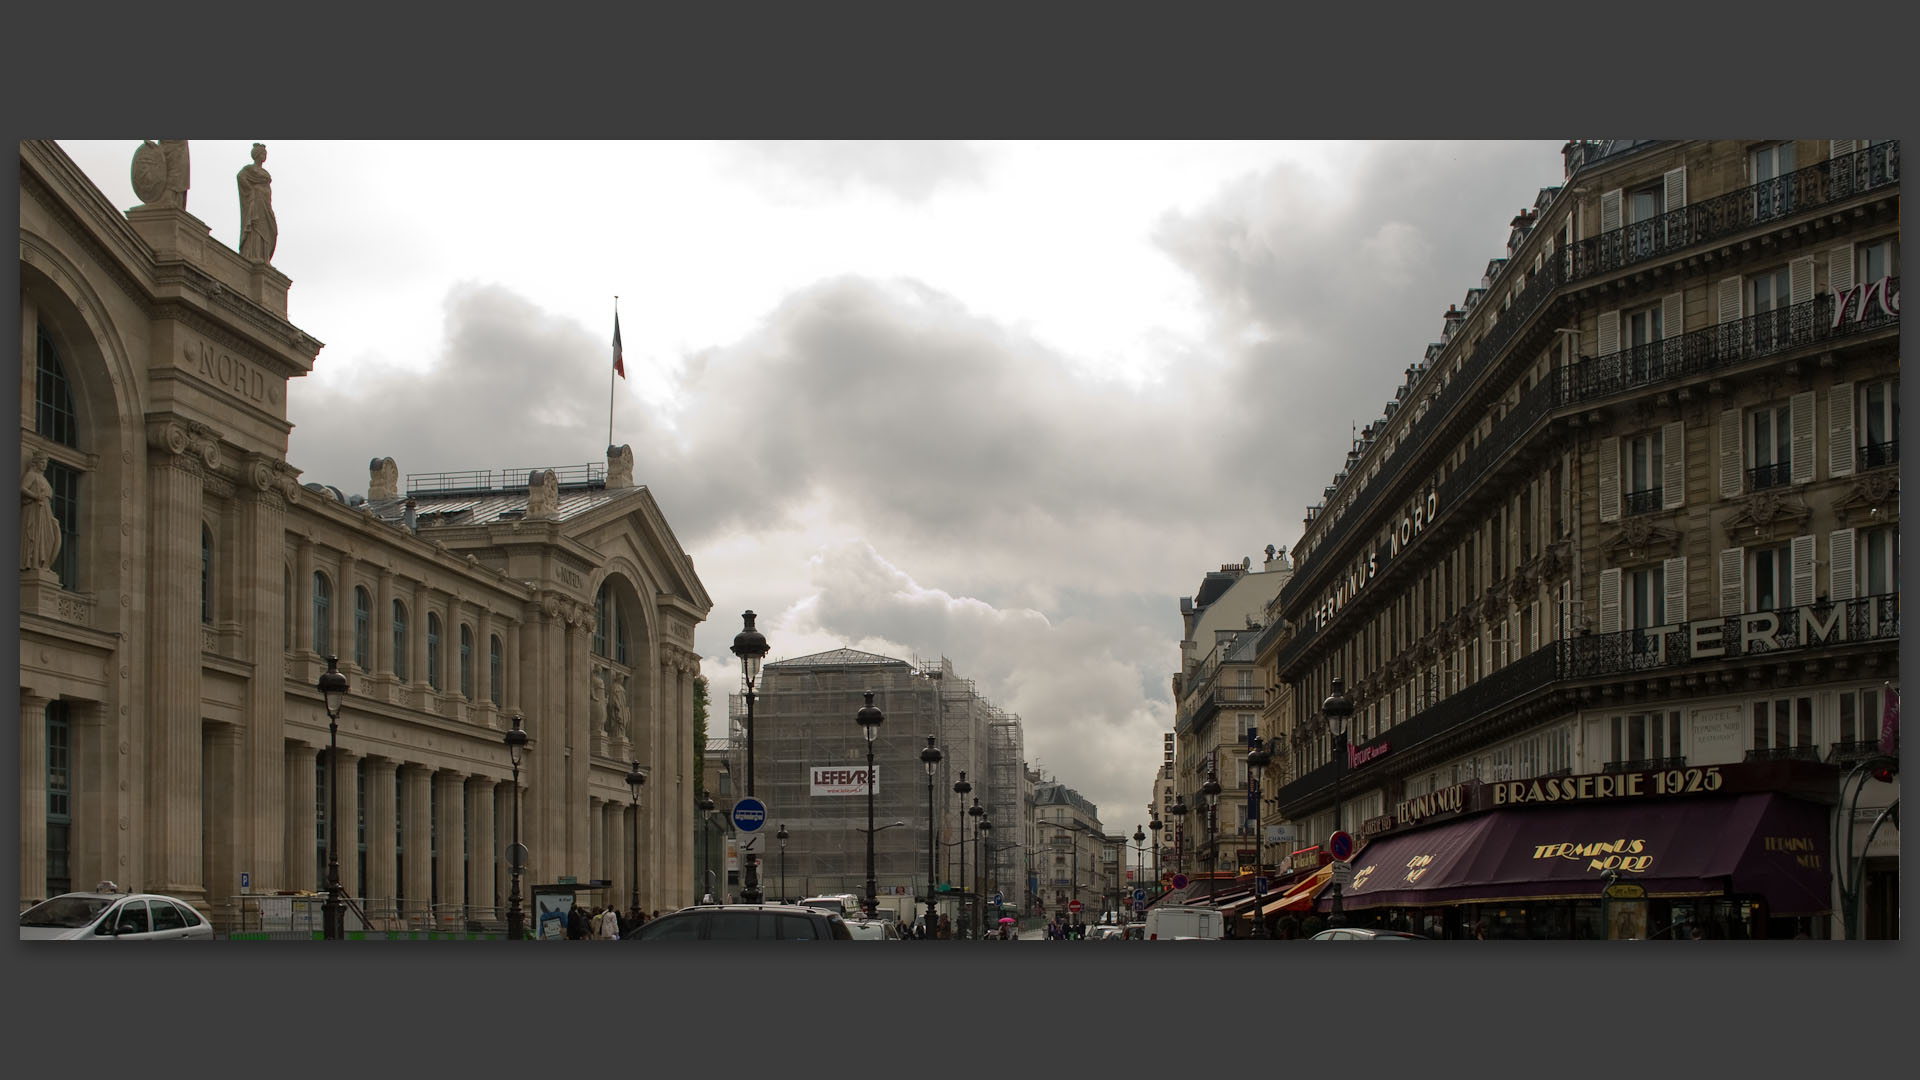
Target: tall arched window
(56, 420)
(399, 640)
(362, 628)
(493, 669)
(206, 574)
(608, 624)
(433, 649)
(322, 614)
(466, 661)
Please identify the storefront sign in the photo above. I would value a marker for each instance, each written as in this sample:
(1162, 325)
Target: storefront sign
(1601, 855)
(1374, 826)
(1450, 800)
(1593, 787)
(1399, 533)
(1360, 755)
(1885, 291)
(1308, 858)
(1756, 632)
(841, 780)
(1803, 849)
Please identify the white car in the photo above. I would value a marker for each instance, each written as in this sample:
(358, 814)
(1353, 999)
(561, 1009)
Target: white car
(108, 915)
(873, 929)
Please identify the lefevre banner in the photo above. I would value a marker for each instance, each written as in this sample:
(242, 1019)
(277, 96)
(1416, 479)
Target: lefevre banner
(843, 780)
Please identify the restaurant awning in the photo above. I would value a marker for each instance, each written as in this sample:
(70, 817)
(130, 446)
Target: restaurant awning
(1763, 844)
(1299, 897)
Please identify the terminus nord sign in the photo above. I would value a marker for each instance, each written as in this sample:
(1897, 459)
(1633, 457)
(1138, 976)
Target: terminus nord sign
(1752, 633)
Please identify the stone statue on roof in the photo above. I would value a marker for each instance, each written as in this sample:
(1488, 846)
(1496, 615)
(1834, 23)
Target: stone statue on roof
(160, 173)
(259, 230)
(543, 494)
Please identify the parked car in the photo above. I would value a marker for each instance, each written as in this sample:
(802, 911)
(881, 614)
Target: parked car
(746, 922)
(1177, 921)
(1107, 932)
(873, 929)
(838, 903)
(1361, 933)
(110, 915)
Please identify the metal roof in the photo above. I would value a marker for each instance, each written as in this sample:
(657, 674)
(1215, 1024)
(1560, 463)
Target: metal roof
(838, 658)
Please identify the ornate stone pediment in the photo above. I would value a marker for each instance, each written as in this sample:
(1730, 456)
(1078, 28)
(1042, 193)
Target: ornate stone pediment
(1762, 511)
(1638, 538)
(1873, 497)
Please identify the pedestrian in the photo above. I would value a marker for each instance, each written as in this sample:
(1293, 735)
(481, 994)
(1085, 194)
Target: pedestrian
(946, 929)
(609, 924)
(576, 923)
(1480, 930)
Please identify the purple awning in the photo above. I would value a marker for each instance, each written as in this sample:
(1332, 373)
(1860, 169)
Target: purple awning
(1763, 844)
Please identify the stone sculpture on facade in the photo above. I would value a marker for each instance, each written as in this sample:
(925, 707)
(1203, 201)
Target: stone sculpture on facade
(620, 466)
(39, 529)
(617, 710)
(160, 173)
(259, 232)
(543, 494)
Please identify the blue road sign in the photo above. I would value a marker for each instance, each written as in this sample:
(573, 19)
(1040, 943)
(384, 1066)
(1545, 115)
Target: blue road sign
(1259, 886)
(749, 814)
(1139, 894)
(996, 900)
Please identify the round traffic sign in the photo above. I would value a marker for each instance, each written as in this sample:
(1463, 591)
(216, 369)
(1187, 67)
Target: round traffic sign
(1179, 881)
(1074, 907)
(1340, 846)
(749, 814)
(1139, 894)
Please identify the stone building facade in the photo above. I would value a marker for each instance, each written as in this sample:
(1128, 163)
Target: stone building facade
(172, 737)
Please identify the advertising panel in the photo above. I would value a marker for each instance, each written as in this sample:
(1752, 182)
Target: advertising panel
(843, 780)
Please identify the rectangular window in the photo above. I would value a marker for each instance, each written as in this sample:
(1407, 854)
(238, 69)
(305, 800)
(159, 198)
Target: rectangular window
(1643, 326)
(1782, 723)
(1772, 193)
(1877, 565)
(1770, 446)
(59, 797)
(1879, 428)
(65, 480)
(1770, 572)
(1646, 204)
(1860, 715)
(1875, 261)
(362, 629)
(1647, 597)
(1645, 471)
(493, 668)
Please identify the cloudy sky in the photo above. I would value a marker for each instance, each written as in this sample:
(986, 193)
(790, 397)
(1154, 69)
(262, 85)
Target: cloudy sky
(1002, 403)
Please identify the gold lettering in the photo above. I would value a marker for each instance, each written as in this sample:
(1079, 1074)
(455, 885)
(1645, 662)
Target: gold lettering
(1534, 792)
(1586, 787)
(1602, 786)
(1633, 783)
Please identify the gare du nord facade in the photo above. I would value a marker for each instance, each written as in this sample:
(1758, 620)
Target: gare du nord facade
(1613, 586)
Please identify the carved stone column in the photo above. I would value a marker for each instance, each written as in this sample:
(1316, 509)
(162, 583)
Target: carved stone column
(483, 850)
(33, 796)
(613, 816)
(417, 627)
(485, 713)
(416, 806)
(226, 824)
(346, 831)
(502, 839)
(575, 806)
(303, 869)
(267, 487)
(179, 453)
(383, 634)
(596, 864)
(450, 832)
(382, 886)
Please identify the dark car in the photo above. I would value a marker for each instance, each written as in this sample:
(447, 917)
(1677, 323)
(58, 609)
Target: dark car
(746, 922)
(1361, 933)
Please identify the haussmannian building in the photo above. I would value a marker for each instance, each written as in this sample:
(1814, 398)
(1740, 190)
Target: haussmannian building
(1613, 584)
(181, 588)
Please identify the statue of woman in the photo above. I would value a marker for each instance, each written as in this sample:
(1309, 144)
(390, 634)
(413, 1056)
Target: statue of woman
(617, 708)
(259, 232)
(39, 529)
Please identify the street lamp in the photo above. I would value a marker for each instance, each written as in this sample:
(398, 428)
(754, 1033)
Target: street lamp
(333, 691)
(960, 789)
(1156, 825)
(981, 832)
(1139, 858)
(634, 779)
(705, 806)
(1179, 812)
(1211, 789)
(750, 646)
(1257, 758)
(966, 885)
(1337, 708)
(869, 719)
(931, 757)
(517, 742)
(782, 837)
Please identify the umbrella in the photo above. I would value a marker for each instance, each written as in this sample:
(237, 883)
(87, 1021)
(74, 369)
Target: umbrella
(1006, 920)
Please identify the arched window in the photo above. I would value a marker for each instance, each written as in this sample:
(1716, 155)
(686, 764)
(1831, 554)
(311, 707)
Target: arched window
(399, 640)
(466, 661)
(362, 628)
(56, 420)
(493, 669)
(609, 624)
(322, 612)
(433, 649)
(206, 575)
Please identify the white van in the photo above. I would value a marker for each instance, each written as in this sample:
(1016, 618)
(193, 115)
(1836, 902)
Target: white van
(1174, 921)
(842, 904)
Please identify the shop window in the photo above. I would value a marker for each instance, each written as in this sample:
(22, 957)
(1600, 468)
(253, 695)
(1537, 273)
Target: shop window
(1859, 716)
(1644, 739)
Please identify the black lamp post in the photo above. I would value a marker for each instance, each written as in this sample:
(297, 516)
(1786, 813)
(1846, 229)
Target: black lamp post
(1337, 708)
(1257, 758)
(1179, 812)
(960, 789)
(634, 779)
(870, 719)
(1154, 823)
(981, 832)
(966, 886)
(1139, 858)
(750, 646)
(705, 806)
(517, 742)
(782, 837)
(931, 757)
(333, 691)
(1211, 789)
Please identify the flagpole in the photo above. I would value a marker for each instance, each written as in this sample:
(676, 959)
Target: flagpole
(610, 373)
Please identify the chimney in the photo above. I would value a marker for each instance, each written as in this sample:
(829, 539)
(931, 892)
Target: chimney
(411, 519)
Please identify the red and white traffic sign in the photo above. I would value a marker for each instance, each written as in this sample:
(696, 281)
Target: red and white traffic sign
(1340, 846)
(1074, 907)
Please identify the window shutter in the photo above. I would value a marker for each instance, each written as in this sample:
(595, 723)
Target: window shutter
(1672, 316)
(1730, 478)
(1673, 464)
(1802, 427)
(1840, 566)
(1610, 478)
(1841, 147)
(1608, 330)
(1731, 587)
(1675, 571)
(1533, 634)
(1610, 601)
(1840, 269)
(1800, 279)
(1802, 570)
(1610, 211)
(1730, 299)
(1840, 430)
(1676, 193)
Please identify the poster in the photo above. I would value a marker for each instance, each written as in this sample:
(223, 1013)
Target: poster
(552, 904)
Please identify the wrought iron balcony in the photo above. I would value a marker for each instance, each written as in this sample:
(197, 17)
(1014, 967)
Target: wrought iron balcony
(1875, 455)
(1229, 696)
(1784, 753)
(1639, 502)
(1853, 750)
(1736, 211)
(1778, 474)
(1657, 764)
(1872, 618)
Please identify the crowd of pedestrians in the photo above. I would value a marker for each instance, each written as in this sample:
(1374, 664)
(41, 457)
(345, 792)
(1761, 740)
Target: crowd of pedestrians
(605, 923)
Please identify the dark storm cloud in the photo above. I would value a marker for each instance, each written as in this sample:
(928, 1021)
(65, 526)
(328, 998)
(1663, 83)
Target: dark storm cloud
(911, 170)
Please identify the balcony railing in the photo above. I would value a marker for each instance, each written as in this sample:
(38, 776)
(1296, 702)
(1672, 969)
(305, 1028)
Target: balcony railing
(1853, 750)
(1737, 211)
(1656, 764)
(1874, 455)
(1640, 502)
(1784, 753)
(1778, 474)
(1226, 696)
